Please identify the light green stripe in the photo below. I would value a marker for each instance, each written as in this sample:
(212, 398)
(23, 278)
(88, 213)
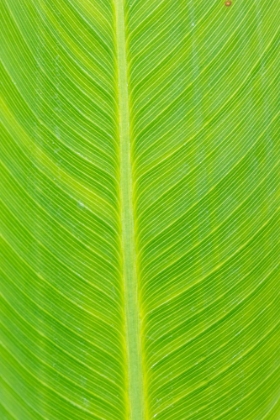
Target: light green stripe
(134, 365)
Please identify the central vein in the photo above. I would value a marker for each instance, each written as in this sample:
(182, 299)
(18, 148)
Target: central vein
(134, 366)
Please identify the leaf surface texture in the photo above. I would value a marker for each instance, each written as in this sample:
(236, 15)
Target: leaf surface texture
(139, 195)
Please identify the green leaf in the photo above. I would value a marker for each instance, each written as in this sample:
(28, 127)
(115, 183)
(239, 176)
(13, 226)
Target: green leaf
(139, 153)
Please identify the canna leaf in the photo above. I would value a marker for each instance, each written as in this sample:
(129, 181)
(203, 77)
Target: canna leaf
(139, 265)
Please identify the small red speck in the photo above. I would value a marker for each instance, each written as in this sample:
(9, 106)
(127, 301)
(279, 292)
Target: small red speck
(228, 3)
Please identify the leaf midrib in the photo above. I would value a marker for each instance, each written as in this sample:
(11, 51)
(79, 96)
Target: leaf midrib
(135, 400)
